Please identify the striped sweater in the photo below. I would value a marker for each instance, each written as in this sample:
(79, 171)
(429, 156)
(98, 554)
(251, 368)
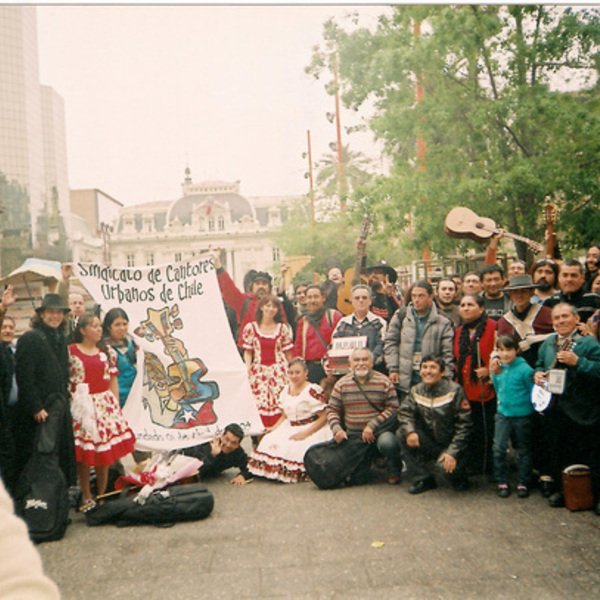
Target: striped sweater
(349, 410)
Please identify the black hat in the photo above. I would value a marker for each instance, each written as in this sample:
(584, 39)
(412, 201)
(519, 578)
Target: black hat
(521, 282)
(52, 301)
(382, 265)
(259, 275)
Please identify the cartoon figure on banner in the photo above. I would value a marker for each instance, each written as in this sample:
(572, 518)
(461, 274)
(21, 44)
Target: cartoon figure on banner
(175, 396)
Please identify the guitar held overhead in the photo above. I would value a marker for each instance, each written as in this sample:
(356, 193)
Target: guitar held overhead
(353, 276)
(462, 222)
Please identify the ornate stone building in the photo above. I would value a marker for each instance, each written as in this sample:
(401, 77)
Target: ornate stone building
(209, 215)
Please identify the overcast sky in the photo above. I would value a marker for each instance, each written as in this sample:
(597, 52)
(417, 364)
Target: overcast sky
(149, 89)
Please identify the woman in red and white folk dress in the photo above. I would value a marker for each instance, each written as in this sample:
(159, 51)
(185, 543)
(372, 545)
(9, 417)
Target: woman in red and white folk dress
(267, 344)
(102, 435)
(303, 423)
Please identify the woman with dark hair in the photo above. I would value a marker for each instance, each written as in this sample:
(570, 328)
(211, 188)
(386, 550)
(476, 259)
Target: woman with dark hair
(116, 335)
(102, 435)
(42, 371)
(267, 343)
(303, 423)
(473, 344)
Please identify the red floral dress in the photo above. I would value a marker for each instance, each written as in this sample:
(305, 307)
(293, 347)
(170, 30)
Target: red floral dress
(102, 435)
(268, 372)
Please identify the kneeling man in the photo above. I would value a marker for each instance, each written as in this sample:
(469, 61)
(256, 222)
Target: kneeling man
(435, 422)
(360, 403)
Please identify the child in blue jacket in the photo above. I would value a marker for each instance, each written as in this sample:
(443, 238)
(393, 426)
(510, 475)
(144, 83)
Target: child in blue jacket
(514, 415)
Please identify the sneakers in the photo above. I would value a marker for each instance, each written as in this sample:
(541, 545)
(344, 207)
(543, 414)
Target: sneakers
(522, 491)
(503, 490)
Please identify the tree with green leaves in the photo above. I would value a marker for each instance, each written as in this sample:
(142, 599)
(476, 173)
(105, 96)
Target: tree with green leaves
(355, 167)
(508, 115)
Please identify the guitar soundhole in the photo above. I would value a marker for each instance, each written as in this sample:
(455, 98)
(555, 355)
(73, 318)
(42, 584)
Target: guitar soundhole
(479, 225)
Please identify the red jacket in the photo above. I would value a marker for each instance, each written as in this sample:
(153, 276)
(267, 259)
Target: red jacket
(235, 300)
(475, 391)
(307, 344)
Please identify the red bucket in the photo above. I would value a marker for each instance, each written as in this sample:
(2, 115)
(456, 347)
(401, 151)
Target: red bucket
(577, 486)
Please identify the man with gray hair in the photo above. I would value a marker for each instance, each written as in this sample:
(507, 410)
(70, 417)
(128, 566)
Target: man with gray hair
(364, 403)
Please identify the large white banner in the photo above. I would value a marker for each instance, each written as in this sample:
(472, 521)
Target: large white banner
(191, 381)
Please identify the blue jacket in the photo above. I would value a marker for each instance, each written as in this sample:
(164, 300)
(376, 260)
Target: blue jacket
(513, 388)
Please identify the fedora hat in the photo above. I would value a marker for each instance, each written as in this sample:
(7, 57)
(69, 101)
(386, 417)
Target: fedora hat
(52, 301)
(521, 282)
(382, 265)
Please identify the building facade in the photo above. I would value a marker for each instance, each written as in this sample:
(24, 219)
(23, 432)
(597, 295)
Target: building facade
(208, 215)
(33, 161)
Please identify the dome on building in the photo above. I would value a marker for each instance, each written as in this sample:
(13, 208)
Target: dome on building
(209, 193)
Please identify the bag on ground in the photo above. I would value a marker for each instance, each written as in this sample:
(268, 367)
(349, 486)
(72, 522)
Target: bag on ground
(329, 464)
(162, 507)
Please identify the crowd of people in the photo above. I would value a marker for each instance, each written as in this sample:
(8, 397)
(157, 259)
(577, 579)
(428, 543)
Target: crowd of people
(445, 373)
(440, 381)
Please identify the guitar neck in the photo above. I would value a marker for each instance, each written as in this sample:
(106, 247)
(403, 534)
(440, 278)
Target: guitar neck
(514, 236)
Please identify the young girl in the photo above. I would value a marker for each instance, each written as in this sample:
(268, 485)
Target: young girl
(514, 415)
(101, 433)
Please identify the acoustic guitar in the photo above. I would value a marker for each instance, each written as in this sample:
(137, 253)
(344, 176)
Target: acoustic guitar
(462, 222)
(353, 276)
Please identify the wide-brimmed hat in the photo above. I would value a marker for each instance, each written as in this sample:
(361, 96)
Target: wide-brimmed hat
(52, 301)
(521, 282)
(382, 265)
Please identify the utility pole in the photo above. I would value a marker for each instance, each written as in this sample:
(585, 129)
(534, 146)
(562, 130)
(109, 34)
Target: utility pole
(338, 127)
(310, 179)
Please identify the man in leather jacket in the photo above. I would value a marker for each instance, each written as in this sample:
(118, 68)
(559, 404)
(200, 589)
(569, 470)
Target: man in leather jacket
(435, 423)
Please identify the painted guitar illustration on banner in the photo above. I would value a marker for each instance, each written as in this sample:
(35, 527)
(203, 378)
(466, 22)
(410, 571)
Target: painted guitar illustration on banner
(462, 222)
(175, 396)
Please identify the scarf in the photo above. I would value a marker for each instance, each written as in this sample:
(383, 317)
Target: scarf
(468, 346)
(315, 318)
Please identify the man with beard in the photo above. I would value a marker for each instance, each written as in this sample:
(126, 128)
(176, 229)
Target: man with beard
(435, 423)
(314, 331)
(360, 404)
(242, 303)
(385, 302)
(545, 275)
(571, 280)
(445, 300)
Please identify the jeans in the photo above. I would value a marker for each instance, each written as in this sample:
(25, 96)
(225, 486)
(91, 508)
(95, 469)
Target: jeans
(418, 459)
(505, 427)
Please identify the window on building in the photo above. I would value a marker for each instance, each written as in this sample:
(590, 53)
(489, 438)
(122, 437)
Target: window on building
(177, 256)
(150, 259)
(221, 223)
(131, 260)
(211, 224)
(276, 254)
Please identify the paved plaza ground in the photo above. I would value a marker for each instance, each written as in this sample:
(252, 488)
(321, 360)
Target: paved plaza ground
(270, 540)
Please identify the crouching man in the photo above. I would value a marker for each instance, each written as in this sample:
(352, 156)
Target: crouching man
(435, 422)
(364, 402)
